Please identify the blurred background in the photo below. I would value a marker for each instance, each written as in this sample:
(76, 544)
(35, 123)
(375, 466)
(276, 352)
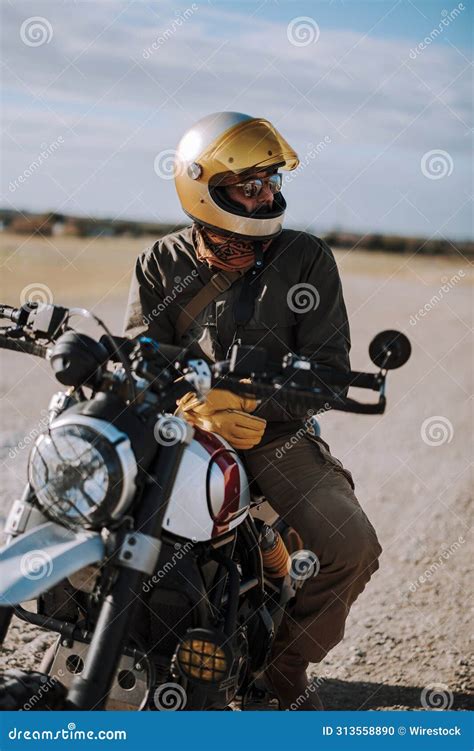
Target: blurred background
(376, 98)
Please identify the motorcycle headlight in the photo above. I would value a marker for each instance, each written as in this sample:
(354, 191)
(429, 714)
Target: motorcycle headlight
(83, 471)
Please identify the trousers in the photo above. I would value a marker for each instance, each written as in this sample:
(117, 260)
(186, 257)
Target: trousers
(313, 492)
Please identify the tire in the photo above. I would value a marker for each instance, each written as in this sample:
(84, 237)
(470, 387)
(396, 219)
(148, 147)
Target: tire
(30, 690)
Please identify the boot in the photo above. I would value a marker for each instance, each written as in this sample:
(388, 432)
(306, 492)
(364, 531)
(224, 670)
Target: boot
(286, 676)
(288, 680)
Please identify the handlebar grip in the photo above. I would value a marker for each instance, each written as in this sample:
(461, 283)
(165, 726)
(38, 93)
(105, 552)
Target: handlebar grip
(29, 348)
(297, 401)
(353, 378)
(301, 401)
(11, 314)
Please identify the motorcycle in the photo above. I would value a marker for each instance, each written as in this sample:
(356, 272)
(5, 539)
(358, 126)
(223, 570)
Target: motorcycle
(141, 540)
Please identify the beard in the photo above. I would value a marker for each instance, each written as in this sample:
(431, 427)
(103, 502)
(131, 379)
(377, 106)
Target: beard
(261, 210)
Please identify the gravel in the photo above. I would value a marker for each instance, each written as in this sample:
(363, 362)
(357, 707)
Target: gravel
(408, 636)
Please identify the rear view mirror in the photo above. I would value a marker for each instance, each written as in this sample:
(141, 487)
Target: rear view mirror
(390, 349)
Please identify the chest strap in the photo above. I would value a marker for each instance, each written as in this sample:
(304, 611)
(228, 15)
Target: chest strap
(218, 283)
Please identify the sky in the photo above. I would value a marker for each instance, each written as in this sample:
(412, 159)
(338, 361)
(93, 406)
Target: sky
(96, 95)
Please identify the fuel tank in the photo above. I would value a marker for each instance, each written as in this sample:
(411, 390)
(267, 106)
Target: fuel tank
(211, 493)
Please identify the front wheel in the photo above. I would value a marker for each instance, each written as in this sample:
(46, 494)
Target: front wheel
(30, 690)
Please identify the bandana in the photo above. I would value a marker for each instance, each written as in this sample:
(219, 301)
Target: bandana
(228, 253)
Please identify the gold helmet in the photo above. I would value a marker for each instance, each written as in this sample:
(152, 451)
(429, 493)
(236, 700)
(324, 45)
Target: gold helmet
(222, 146)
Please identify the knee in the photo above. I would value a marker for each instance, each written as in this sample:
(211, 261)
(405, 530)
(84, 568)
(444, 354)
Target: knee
(360, 549)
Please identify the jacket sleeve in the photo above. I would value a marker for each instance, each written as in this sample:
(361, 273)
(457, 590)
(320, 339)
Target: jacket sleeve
(146, 309)
(322, 331)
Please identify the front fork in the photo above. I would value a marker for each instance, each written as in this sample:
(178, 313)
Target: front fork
(22, 517)
(136, 559)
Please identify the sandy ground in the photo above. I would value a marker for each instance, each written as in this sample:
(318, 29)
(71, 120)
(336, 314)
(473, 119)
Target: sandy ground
(407, 642)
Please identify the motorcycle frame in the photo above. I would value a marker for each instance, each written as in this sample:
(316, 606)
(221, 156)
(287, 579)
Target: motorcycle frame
(90, 689)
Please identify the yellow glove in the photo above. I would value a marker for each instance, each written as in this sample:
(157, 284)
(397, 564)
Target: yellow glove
(216, 400)
(241, 430)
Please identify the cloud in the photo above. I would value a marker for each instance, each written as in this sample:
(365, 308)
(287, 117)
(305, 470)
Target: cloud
(117, 107)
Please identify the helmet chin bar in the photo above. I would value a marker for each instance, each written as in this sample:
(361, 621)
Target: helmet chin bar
(221, 199)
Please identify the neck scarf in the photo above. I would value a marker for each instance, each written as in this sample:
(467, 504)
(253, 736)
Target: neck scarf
(228, 253)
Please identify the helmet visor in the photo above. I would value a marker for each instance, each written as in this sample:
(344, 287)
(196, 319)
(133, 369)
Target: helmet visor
(255, 144)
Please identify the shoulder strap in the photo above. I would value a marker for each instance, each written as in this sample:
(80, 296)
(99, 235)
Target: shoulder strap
(218, 283)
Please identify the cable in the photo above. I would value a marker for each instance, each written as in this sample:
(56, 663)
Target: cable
(126, 366)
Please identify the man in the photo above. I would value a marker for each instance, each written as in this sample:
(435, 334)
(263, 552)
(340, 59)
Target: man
(277, 289)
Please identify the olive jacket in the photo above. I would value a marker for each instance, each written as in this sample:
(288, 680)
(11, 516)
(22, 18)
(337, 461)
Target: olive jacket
(299, 308)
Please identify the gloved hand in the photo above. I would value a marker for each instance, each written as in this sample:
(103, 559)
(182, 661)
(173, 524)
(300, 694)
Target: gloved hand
(216, 400)
(241, 430)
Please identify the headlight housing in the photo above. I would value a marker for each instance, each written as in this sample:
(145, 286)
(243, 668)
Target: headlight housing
(83, 471)
(204, 656)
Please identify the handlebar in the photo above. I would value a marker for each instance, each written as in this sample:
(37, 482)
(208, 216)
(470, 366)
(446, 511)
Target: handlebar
(298, 381)
(304, 400)
(25, 346)
(11, 314)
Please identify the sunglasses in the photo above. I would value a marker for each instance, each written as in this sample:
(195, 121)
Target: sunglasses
(251, 188)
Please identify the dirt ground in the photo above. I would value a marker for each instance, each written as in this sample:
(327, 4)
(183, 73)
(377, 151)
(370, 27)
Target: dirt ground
(407, 642)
